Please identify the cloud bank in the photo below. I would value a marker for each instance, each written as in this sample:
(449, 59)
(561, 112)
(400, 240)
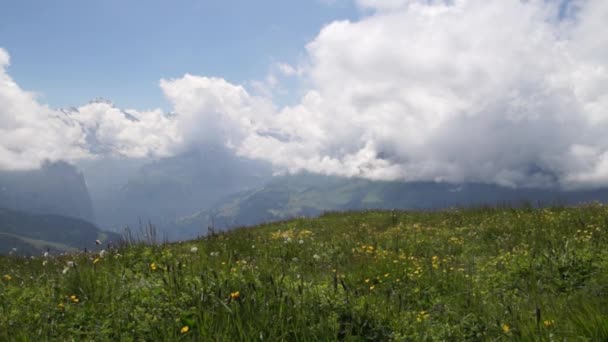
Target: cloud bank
(496, 91)
(31, 133)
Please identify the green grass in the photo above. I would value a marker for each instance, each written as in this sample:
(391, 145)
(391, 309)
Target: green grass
(476, 274)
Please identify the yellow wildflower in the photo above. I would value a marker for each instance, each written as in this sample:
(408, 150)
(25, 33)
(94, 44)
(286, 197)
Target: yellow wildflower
(153, 266)
(548, 323)
(506, 328)
(7, 277)
(185, 329)
(74, 298)
(235, 295)
(95, 261)
(422, 315)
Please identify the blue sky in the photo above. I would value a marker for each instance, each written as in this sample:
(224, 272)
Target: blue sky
(72, 51)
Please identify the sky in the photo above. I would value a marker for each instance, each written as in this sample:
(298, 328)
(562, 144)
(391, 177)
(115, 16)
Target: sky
(506, 92)
(70, 52)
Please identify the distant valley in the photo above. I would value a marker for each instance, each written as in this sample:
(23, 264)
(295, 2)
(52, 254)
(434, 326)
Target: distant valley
(210, 188)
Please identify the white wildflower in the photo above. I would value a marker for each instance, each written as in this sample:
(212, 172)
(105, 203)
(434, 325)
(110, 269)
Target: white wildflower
(295, 259)
(316, 257)
(71, 264)
(45, 262)
(46, 254)
(301, 242)
(65, 270)
(194, 249)
(102, 253)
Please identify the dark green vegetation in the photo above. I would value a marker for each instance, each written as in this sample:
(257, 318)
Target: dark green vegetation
(32, 234)
(478, 274)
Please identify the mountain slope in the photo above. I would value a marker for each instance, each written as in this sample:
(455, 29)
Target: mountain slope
(33, 233)
(310, 195)
(56, 188)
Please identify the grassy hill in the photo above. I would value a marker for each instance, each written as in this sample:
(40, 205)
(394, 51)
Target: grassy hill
(32, 234)
(456, 275)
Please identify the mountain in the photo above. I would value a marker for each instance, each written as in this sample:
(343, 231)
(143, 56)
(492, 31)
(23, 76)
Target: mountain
(310, 195)
(162, 190)
(55, 188)
(32, 234)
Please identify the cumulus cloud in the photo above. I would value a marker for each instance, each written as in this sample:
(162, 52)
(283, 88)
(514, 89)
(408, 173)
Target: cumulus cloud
(507, 92)
(497, 91)
(31, 133)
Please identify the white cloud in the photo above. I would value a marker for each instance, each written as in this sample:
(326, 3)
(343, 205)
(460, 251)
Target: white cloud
(497, 91)
(383, 5)
(287, 70)
(492, 91)
(31, 133)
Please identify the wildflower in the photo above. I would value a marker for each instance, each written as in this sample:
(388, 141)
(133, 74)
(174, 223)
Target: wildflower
(65, 269)
(95, 261)
(295, 259)
(71, 264)
(193, 250)
(505, 328)
(367, 280)
(422, 315)
(153, 266)
(288, 240)
(60, 306)
(74, 299)
(7, 277)
(252, 246)
(372, 287)
(45, 262)
(46, 254)
(301, 241)
(185, 329)
(548, 323)
(316, 257)
(235, 295)
(102, 253)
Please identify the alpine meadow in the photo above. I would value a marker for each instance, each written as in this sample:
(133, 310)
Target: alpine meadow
(456, 275)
